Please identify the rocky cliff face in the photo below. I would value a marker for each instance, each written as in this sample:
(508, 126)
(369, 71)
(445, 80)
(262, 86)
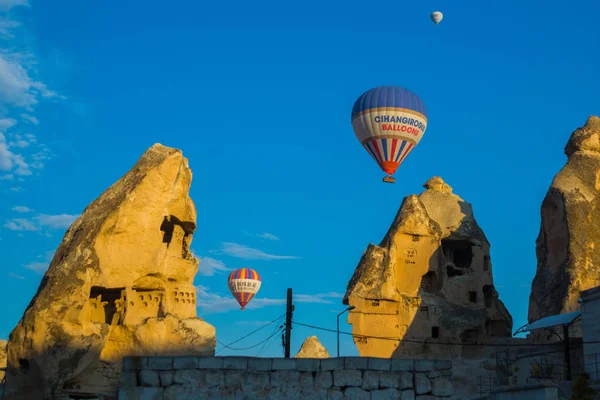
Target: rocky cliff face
(312, 348)
(568, 261)
(430, 280)
(120, 283)
(3, 344)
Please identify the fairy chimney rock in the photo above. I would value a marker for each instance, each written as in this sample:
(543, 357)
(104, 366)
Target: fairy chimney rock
(312, 348)
(430, 279)
(3, 344)
(567, 261)
(120, 284)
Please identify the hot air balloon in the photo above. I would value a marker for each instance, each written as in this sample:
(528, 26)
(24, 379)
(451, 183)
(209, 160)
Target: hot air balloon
(244, 283)
(389, 121)
(437, 17)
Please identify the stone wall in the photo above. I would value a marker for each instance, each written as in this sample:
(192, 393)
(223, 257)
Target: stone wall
(175, 378)
(590, 315)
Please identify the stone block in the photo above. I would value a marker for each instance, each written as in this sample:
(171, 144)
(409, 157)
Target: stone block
(441, 387)
(424, 365)
(235, 363)
(257, 384)
(189, 377)
(166, 378)
(402, 365)
(343, 378)
(284, 364)
(260, 364)
(356, 393)
(128, 379)
(331, 364)
(379, 364)
(137, 393)
(214, 378)
(286, 380)
(334, 394)
(185, 362)
(371, 380)
(283, 395)
(135, 363)
(323, 380)
(210, 362)
(308, 364)
(148, 378)
(426, 397)
(443, 364)
(422, 384)
(385, 394)
(447, 373)
(307, 381)
(314, 394)
(405, 395)
(160, 363)
(396, 379)
(235, 378)
(185, 392)
(434, 374)
(356, 363)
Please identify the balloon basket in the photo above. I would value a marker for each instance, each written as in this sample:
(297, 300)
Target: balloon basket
(242, 308)
(389, 179)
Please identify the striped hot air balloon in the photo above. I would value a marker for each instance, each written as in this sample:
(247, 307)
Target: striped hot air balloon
(244, 283)
(389, 121)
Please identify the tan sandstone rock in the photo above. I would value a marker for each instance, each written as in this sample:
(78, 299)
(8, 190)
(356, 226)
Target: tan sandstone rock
(312, 348)
(430, 280)
(568, 261)
(120, 283)
(3, 344)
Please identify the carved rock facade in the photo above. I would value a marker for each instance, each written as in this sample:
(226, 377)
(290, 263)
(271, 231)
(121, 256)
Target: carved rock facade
(429, 281)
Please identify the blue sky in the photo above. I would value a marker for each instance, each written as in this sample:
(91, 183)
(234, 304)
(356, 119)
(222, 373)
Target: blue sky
(258, 96)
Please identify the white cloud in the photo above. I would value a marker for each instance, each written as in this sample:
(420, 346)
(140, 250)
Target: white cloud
(6, 177)
(248, 253)
(6, 5)
(16, 189)
(268, 235)
(6, 123)
(19, 143)
(209, 266)
(210, 303)
(21, 209)
(40, 267)
(12, 275)
(61, 221)
(30, 118)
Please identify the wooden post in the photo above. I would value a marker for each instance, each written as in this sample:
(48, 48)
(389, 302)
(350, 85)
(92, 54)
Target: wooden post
(288, 323)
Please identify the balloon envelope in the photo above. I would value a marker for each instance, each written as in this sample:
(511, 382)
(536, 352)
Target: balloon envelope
(437, 17)
(389, 121)
(244, 283)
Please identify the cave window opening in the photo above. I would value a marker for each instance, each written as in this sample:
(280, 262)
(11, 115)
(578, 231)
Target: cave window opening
(459, 252)
(469, 335)
(429, 282)
(107, 297)
(488, 294)
(473, 297)
(486, 263)
(24, 365)
(435, 332)
(451, 271)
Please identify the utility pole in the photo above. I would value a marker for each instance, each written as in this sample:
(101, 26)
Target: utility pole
(289, 309)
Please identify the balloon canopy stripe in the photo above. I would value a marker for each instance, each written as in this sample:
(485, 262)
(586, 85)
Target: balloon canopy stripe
(389, 97)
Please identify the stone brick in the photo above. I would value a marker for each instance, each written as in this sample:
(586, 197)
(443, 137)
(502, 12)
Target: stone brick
(210, 362)
(185, 362)
(356, 363)
(402, 365)
(355, 393)
(235, 363)
(424, 365)
(308, 364)
(323, 380)
(135, 363)
(396, 380)
(136, 393)
(281, 394)
(307, 381)
(260, 364)
(426, 397)
(284, 364)
(434, 374)
(443, 364)
(385, 394)
(148, 378)
(405, 395)
(160, 363)
(446, 373)
(314, 394)
(441, 387)
(331, 364)
(257, 384)
(166, 378)
(371, 380)
(128, 379)
(184, 392)
(214, 378)
(380, 364)
(422, 384)
(189, 377)
(343, 378)
(235, 378)
(334, 394)
(285, 380)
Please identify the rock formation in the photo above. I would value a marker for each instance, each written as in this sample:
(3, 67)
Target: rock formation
(312, 348)
(3, 344)
(567, 261)
(120, 283)
(430, 280)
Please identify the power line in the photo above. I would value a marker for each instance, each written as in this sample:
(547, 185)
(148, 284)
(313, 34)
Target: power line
(434, 342)
(251, 333)
(265, 347)
(257, 344)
